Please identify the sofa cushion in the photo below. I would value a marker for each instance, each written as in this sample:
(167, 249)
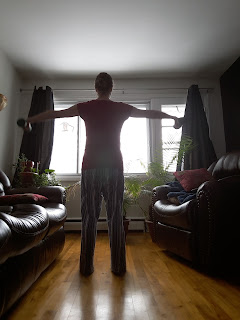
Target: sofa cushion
(28, 224)
(192, 179)
(22, 198)
(57, 215)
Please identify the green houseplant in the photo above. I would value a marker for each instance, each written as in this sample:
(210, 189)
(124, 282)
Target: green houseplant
(27, 175)
(139, 191)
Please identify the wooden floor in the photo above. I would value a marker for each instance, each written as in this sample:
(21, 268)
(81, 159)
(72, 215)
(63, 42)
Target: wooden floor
(156, 286)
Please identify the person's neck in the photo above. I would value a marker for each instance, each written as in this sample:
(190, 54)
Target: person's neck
(103, 98)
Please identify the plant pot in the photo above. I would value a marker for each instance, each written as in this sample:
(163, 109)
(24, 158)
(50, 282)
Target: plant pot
(125, 225)
(27, 178)
(150, 229)
(26, 165)
(29, 165)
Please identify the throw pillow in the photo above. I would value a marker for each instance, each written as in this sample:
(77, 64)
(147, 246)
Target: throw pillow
(191, 179)
(22, 198)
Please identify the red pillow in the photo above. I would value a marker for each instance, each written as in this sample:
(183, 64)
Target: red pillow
(21, 198)
(191, 179)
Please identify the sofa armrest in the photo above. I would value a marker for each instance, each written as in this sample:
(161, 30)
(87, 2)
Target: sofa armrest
(217, 222)
(56, 194)
(160, 193)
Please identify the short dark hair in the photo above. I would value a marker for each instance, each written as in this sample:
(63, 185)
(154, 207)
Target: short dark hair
(103, 83)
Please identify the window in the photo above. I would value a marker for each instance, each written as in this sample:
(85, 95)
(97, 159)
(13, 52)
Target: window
(70, 138)
(68, 143)
(170, 136)
(138, 138)
(134, 143)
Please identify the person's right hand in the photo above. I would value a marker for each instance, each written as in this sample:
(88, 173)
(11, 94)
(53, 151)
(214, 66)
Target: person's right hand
(25, 125)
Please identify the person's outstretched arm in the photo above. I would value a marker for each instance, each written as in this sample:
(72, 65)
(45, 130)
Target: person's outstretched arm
(53, 114)
(155, 114)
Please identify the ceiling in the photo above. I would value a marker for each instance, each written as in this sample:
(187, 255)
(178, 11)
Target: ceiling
(134, 38)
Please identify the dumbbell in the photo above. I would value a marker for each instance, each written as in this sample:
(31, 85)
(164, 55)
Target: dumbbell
(26, 126)
(179, 123)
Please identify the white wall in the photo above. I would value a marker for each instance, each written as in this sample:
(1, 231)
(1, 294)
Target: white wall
(135, 89)
(9, 86)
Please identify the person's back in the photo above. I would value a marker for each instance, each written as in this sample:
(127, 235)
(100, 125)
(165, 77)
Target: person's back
(103, 120)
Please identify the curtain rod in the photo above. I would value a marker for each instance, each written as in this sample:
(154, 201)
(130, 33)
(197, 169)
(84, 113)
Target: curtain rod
(139, 89)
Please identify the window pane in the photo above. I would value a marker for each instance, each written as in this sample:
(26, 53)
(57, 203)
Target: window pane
(64, 154)
(134, 144)
(167, 122)
(174, 110)
(171, 137)
(69, 141)
(82, 142)
(170, 159)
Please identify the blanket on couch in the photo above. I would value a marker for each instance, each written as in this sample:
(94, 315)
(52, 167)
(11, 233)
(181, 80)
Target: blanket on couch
(177, 192)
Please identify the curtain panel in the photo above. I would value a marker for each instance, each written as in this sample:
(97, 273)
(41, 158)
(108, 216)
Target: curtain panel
(37, 145)
(196, 127)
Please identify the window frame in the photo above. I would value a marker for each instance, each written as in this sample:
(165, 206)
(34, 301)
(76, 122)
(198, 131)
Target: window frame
(154, 98)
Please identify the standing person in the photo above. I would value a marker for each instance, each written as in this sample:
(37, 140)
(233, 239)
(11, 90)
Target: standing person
(102, 168)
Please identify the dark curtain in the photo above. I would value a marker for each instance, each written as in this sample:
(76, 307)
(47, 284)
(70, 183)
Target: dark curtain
(37, 145)
(196, 127)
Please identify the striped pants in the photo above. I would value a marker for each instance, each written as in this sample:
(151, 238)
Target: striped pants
(107, 183)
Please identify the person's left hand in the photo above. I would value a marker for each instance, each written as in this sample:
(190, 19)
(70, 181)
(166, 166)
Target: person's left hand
(178, 123)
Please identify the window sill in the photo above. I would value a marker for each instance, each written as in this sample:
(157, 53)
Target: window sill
(77, 177)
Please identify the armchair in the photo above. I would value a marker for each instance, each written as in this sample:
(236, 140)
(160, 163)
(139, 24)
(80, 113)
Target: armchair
(204, 230)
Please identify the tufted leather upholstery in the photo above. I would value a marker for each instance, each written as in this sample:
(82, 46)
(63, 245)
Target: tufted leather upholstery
(6, 185)
(31, 237)
(227, 165)
(204, 230)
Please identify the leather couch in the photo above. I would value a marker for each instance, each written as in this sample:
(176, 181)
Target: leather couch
(206, 229)
(31, 237)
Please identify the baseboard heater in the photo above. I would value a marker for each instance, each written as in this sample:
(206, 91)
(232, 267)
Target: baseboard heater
(136, 223)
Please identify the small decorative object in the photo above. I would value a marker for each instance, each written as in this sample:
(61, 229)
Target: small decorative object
(3, 102)
(26, 175)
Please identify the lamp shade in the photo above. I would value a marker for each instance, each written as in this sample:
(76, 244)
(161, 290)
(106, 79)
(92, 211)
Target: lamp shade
(3, 101)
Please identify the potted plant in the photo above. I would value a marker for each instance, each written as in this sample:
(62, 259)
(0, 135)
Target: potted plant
(137, 192)
(130, 195)
(26, 175)
(140, 190)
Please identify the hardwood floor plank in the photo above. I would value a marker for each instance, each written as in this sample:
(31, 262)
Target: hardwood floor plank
(156, 286)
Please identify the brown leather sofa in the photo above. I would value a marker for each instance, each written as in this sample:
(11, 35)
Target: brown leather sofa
(204, 230)
(31, 237)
